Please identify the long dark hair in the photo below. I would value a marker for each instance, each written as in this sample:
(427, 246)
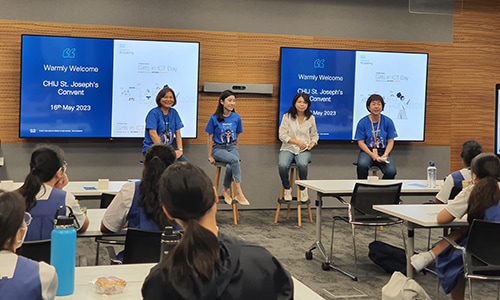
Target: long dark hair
(219, 112)
(485, 193)
(187, 193)
(157, 159)
(293, 110)
(11, 217)
(45, 161)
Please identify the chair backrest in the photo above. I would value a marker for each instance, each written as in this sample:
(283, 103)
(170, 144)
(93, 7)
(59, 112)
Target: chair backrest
(365, 196)
(483, 246)
(142, 246)
(106, 200)
(36, 250)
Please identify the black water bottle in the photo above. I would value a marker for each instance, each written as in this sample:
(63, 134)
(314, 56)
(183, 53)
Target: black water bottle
(169, 239)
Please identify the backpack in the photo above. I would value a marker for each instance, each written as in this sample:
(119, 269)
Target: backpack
(390, 258)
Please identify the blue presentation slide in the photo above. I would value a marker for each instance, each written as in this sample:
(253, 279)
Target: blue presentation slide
(328, 77)
(66, 88)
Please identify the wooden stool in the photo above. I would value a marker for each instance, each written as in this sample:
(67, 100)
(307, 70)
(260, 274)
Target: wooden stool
(373, 169)
(234, 203)
(296, 200)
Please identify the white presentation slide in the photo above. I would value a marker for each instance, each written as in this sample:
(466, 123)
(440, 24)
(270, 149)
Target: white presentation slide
(401, 79)
(141, 69)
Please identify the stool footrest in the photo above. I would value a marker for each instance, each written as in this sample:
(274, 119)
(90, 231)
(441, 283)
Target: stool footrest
(293, 201)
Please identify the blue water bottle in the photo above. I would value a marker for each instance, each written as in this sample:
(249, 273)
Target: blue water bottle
(63, 252)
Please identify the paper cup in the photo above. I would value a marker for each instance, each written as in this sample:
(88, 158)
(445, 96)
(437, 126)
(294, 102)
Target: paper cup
(7, 185)
(372, 179)
(103, 184)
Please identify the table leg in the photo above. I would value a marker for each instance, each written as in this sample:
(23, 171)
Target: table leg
(318, 244)
(410, 248)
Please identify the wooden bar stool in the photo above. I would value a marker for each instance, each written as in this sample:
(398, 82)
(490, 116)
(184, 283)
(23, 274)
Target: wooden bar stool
(234, 203)
(295, 201)
(373, 169)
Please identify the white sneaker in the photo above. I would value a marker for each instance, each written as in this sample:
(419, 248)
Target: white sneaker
(288, 195)
(421, 260)
(304, 195)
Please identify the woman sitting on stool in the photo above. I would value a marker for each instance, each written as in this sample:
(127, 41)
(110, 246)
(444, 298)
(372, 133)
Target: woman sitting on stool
(299, 135)
(375, 134)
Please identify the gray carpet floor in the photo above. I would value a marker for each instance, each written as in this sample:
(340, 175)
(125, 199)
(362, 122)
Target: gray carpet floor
(288, 243)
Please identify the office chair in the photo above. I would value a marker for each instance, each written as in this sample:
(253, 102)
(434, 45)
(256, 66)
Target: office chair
(36, 250)
(480, 255)
(361, 213)
(109, 240)
(141, 246)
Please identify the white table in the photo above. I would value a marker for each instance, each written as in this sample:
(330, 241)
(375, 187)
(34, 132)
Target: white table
(417, 216)
(134, 275)
(338, 188)
(94, 230)
(85, 188)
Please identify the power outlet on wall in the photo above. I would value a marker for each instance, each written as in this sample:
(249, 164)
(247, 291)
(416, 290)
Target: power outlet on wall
(1, 161)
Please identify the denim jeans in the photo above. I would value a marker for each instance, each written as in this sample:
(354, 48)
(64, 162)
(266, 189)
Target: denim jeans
(286, 158)
(182, 158)
(365, 162)
(228, 153)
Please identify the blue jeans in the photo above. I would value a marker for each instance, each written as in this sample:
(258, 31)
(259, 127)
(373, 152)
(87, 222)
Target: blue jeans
(228, 153)
(286, 158)
(365, 162)
(182, 158)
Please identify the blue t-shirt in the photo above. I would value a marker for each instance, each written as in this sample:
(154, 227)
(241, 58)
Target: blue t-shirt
(378, 139)
(165, 126)
(225, 132)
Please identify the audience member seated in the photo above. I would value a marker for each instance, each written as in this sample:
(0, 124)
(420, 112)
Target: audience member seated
(136, 205)
(43, 194)
(454, 183)
(479, 200)
(21, 278)
(206, 264)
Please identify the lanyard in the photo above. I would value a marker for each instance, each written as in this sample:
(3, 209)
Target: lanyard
(166, 133)
(376, 131)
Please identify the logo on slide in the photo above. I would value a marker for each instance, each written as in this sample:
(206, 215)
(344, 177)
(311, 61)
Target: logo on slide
(69, 53)
(319, 63)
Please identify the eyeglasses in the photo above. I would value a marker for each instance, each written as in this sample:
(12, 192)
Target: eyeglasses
(27, 218)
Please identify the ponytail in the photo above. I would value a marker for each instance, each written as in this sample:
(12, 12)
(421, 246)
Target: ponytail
(157, 159)
(484, 195)
(187, 193)
(30, 188)
(198, 251)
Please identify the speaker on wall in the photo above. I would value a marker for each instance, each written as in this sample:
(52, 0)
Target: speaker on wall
(243, 88)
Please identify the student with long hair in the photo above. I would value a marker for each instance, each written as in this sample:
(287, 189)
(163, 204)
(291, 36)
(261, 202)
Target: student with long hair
(136, 205)
(223, 129)
(21, 278)
(479, 201)
(207, 264)
(164, 124)
(43, 193)
(298, 134)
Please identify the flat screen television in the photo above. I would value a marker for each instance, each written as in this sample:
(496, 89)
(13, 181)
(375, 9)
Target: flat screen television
(340, 81)
(76, 87)
(497, 119)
